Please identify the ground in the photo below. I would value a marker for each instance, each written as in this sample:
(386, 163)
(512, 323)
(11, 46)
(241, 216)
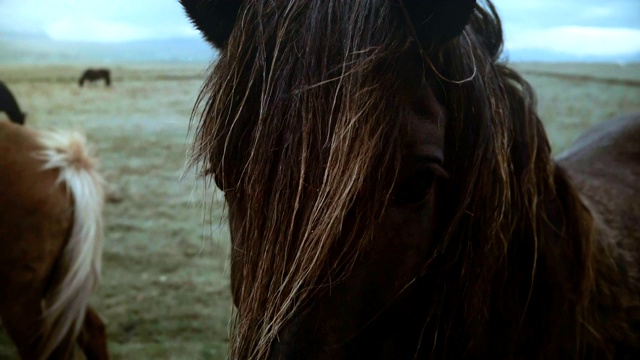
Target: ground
(165, 289)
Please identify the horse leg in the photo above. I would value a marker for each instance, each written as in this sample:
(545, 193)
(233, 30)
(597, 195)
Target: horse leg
(26, 265)
(93, 337)
(23, 322)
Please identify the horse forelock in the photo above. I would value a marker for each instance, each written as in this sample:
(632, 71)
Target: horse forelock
(300, 129)
(295, 129)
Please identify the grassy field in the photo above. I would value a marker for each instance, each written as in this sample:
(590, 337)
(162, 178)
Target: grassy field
(165, 291)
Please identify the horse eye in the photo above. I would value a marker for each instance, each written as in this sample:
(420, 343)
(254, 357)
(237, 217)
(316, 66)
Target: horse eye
(415, 189)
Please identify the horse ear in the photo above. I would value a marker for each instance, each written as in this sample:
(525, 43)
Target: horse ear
(438, 21)
(214, 18)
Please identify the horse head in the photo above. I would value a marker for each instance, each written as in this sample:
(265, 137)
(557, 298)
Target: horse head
(371, 165)
(434, 20)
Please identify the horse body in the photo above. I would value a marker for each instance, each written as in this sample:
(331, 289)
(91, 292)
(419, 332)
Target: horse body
(392, 194)
(9, 105)
(604, 167)
(93, 75)
(50, 241)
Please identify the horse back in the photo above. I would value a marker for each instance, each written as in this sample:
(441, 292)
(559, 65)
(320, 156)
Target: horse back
(604, 166)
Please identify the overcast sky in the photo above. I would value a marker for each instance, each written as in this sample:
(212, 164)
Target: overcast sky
(579, 27)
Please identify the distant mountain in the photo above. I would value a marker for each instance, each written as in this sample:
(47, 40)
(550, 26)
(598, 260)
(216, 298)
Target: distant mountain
(553, 56)
(38, 49)
(42, 50)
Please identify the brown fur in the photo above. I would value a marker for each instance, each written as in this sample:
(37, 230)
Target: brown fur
(38, 230)
(604, 166)
(314, 114)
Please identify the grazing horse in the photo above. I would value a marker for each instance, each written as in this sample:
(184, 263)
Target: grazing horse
(93, 75)
(9, 105)
(51, 200)
(392, 194)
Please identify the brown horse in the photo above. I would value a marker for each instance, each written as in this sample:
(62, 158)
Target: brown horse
(51, 199)
(93, 75)
(392, 194)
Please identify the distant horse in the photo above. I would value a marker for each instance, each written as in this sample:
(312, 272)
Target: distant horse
(51, 199)
(9, 105)
(93, 75)
(392, 194)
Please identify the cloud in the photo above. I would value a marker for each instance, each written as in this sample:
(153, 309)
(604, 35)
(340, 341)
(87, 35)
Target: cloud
(553, 13)
(578, 40)
(96, 20)
(579, 27)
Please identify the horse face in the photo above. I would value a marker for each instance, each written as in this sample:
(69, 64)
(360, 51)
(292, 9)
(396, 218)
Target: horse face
(371, 313)
(299, 306)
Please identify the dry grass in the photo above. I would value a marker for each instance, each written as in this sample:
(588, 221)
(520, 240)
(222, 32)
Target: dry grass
(569, 105)
(165, 289)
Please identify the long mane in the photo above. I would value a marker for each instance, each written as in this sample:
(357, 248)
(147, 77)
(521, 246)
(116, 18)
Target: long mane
(300, 128)
(297, 160)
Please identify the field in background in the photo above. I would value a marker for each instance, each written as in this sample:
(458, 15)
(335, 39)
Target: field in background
(165, 291)
(573, 97)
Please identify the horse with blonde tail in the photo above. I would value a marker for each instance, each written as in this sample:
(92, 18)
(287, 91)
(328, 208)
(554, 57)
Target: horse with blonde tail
(51, 232)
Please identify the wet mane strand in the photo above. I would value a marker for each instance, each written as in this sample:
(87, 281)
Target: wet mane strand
(293, 134)
(510, 218)
(299, 128)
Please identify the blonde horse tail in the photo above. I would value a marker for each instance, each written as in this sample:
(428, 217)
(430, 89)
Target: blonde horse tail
(78, 272)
